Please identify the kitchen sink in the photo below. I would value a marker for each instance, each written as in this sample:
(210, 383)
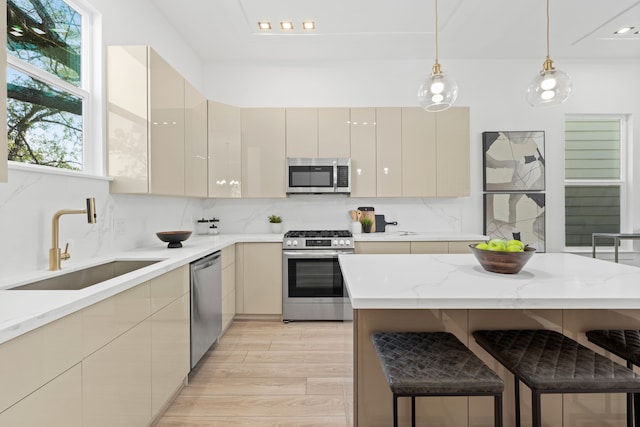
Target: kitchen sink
(81, 279)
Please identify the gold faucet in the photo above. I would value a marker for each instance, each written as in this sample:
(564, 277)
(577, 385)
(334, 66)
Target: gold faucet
(55, 254)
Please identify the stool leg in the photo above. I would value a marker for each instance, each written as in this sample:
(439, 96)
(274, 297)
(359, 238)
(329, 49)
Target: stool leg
(636, 409)
(497, 410)
(535, 409)
(517, 399)
(630, 410)
(395, 410)
(413, 411)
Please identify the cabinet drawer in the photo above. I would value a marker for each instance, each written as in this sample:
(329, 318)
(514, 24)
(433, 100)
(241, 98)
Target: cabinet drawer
(31, 360)
(104, 321)
(460, 247)
(429, 247)
(383, 247)
(167, 288)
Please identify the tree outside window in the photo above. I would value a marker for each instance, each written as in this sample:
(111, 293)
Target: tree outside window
(45, 94)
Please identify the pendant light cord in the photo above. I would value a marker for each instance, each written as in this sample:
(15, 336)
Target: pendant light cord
(548, 54)
(436, 2)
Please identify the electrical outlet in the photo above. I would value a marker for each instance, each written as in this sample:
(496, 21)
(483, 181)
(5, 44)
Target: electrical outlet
(119, 226)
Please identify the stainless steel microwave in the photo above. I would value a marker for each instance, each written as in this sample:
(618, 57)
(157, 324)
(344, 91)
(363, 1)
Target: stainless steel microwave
(323, 175)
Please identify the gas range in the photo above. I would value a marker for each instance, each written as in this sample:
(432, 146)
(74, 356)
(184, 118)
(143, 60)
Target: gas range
(318, 239)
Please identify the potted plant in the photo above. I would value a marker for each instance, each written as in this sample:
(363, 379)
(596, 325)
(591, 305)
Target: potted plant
(366, 224)
(276, 223)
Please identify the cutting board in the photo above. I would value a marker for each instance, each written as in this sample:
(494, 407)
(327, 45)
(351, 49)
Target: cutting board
(381, 223)
(369, 212)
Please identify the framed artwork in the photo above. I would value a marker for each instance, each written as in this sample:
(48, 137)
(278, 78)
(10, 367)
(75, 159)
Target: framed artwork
(508, 213)
(513, 161)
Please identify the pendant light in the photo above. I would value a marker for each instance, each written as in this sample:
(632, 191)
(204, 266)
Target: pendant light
(437, 92)
(550, 86)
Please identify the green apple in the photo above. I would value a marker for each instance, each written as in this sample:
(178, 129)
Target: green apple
(514, 248)
(497, 245)
(482, 246)
(515, 242)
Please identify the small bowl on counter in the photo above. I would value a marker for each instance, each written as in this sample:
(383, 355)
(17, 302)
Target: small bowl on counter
(502, 262)
(174, 238)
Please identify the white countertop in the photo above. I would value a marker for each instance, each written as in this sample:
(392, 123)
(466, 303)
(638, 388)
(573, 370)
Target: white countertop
(457, 281)
(25, 310)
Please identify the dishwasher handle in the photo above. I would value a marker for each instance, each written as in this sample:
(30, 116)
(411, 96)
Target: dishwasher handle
(206, 262)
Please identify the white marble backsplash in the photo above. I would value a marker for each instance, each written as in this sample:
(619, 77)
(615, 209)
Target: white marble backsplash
(29, 200)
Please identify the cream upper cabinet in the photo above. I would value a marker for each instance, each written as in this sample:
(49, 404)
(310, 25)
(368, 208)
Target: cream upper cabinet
(452, 153)
(418, 153)
(166, 128)
(263, 152)
(145, 121)
(389, 152)
(302, 132)
(334, 132)
(195, 142)
(225, 153)
(363, 152)
(3, 98)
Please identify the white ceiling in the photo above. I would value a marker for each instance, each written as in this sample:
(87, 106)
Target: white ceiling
(404, 29)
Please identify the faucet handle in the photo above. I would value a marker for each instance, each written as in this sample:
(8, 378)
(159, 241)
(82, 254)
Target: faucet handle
(65, 255)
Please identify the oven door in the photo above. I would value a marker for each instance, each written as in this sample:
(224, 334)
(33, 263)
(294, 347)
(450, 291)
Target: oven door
(312, 274)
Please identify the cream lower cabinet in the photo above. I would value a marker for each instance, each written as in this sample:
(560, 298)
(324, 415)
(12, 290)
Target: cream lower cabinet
(259, 278)
(383, 247)
(56, 404)
(228, 286)
(436, 247)
(429, 247)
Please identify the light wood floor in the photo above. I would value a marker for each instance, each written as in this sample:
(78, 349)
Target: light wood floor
(267, 373)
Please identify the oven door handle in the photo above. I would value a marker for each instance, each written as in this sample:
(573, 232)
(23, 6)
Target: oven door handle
(315, 254)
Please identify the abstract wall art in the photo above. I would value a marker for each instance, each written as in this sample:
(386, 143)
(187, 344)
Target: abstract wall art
(509, 213)
(513, 161)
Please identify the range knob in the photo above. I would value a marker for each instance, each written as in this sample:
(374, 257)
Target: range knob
(347, 242)
(335, 243)
(341, 242)
(295, 243)
(288, 243)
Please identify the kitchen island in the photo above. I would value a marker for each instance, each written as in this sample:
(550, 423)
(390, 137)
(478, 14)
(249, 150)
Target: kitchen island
(563, 292)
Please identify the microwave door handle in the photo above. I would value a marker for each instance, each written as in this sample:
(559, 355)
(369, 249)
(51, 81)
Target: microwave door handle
(335, 177)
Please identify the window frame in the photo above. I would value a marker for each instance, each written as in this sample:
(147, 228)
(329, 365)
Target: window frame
(88, 90)
(623, 181)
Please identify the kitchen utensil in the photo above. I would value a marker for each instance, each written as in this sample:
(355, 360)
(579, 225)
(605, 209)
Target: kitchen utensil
(381, 223)
(354, 215)
(369, 212)
(359, 215)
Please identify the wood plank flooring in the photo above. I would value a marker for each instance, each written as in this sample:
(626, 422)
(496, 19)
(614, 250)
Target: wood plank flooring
(268, 373)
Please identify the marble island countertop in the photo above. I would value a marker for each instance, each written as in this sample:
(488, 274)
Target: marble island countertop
(25, 310)
(457, 281)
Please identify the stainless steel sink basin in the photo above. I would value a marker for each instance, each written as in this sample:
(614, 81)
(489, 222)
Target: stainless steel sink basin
(83, 278)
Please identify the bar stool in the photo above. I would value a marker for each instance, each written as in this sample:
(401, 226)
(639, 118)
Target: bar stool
(434, 364)
(550, 362)
(624, 343)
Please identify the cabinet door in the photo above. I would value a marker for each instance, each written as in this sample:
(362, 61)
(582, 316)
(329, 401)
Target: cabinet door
(333, 132)
(116, 381)
(56, 404)
(127, 114)
(168, 287)
(383, 247)
(429, 247)
(262, 278)
(363, 152)
(170, 351)
(263, 152)
(418, 153)
(228, 286)
(452, 134)
(195, 142)
(224, 150)
(389, 152)
(166, 128)
(460, 247)
(302, 132)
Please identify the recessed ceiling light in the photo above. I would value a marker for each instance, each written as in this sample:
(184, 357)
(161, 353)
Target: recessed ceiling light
(308, 25)
(624, 30)
(264, 25)
(286, 25)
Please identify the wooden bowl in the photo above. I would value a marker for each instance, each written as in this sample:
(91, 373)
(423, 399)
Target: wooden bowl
(502, 262)
(173, 237)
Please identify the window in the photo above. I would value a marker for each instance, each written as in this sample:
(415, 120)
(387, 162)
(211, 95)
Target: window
(47, 84)
(595, 178)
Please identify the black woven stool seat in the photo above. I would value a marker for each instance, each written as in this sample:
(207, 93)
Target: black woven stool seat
(434, 364)
(624, 343)
(550, 362)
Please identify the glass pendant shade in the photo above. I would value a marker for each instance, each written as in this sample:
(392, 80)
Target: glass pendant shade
(438, 91)
(549, 87)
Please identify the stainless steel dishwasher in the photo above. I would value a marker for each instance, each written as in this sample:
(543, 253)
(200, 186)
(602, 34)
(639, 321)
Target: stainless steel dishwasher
(206, 304)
